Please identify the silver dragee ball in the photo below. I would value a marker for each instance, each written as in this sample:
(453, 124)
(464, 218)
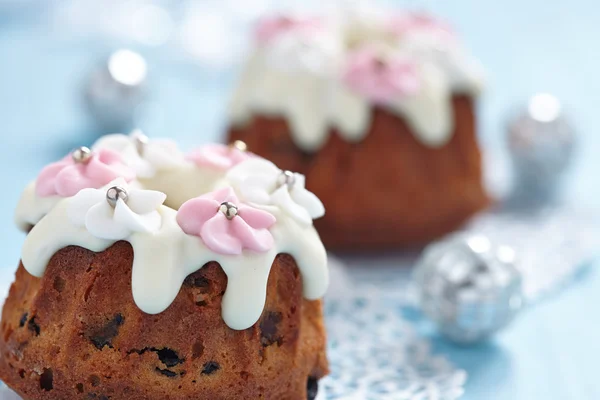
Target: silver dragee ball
(470, 288)
(229, 209)
(81, 155)
(541, 143)
(115, 89)
(115, 193)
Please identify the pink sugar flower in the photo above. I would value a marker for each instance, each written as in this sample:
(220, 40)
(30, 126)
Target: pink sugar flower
(218, 156)
(271, 27)
(380, 79)
(410, 22)
(225, 225)
(67, 177)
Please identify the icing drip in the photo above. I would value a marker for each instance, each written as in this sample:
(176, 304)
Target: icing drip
(32, 208)
(428, 111)
(321, 79)
(244, 239)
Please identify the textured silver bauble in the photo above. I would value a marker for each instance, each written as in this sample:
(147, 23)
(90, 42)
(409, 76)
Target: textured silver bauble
(115, 89)
(229, 209)
(469, 287)
(114, 194)
(541, 143)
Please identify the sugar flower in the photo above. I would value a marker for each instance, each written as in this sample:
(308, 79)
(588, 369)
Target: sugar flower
(218, 156)
(116, 211)
(81, 169)
(260, 181)
(272, 27)
(226, 225)
(146, 156)
(380, 78)
(404, 23)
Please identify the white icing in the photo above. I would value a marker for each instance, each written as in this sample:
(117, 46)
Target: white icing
(164, 255)
(315, 52)
(184, 183)
(351, 113)
(32, 208)
(156, 155)
(258, 181)
(463, 73)
(282, 78)
(428, 110)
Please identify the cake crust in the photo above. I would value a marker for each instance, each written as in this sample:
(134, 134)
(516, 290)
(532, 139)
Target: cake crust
(76, 333)
(388, 190)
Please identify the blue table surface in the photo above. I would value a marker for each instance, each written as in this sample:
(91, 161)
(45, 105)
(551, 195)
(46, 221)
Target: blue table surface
(551, 352)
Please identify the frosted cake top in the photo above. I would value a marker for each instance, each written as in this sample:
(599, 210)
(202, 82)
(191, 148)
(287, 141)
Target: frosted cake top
(178, 211)
(329, 72)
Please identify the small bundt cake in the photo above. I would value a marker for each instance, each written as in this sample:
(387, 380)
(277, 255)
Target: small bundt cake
(212, 296)
(376, 109)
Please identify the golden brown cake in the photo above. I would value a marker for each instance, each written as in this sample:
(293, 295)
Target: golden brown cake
(377, 110)
(121, 297)
(76, 333)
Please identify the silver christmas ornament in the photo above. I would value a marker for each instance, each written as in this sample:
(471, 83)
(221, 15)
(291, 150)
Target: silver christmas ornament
(114, 194)
(115, 89)
(470, 288)
(229, 209)
(81, 155)
(541, 143)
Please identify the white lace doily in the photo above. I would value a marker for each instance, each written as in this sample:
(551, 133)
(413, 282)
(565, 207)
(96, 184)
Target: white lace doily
(376, 354)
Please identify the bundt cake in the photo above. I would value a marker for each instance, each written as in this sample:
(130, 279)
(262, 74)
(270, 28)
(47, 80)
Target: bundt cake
(148, 273)
(377, 110)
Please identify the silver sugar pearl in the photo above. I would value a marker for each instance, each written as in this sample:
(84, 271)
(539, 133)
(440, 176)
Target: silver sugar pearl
(81, 155)
(469, 287)
(140, 140)
(115, 89)
(286, 178)
(239, 145)
(541, 143)
(229, 209)
(114, 194)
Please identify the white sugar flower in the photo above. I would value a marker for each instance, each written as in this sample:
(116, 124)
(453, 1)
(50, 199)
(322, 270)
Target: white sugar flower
(145, 156)
(316, 52)
(116, 211)
(260, 182)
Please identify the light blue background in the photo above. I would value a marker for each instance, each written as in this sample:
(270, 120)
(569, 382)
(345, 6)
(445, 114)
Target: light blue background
(551, 352)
